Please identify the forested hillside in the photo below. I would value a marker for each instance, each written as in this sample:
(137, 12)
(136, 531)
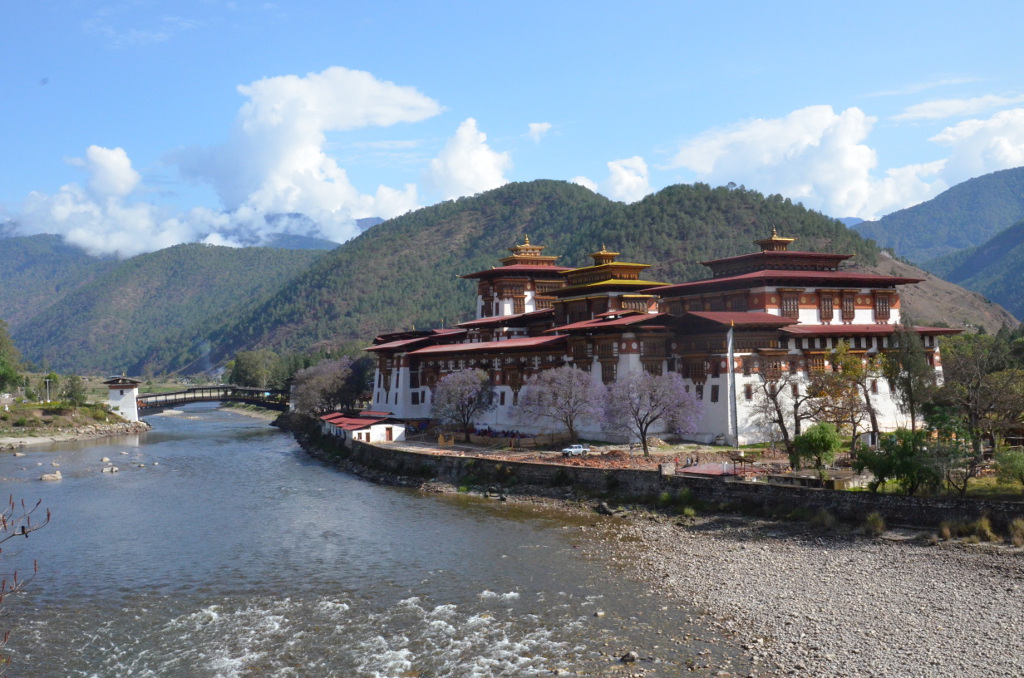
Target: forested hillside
(403, 273)
(966, 215)
(995, 269)
(147, 310)
(36, 271)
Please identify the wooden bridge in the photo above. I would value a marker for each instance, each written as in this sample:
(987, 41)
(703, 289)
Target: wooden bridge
(275, 400)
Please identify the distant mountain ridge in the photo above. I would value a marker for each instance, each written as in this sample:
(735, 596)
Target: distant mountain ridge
(966, 215)
(995, 268)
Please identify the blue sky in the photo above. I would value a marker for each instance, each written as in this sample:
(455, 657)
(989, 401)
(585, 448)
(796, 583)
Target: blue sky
(132, 126)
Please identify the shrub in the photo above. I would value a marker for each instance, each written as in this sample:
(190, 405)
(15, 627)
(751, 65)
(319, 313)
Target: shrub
(983, 528)
(561, 478)
(823, 519)
(946, 530)
(1017, 532)
(874, 524)
(690, 512)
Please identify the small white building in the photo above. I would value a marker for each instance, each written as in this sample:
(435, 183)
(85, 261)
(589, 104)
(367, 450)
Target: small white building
(122, 397)
(367, 426)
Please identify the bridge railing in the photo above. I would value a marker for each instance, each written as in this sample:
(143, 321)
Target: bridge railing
(266, 397)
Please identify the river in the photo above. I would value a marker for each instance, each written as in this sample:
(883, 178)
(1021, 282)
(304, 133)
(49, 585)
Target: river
(221, 549)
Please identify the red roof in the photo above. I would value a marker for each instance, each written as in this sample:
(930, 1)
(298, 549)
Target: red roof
(372, 413)
(832, 278)
(870, 330)
(601, 323)
(351, 423)
(518, 270)
(741, 318)
(500, 320)
(484, 346)
(406, 343)
(785, 254)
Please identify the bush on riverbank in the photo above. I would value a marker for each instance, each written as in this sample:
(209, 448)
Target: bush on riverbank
(52, 418)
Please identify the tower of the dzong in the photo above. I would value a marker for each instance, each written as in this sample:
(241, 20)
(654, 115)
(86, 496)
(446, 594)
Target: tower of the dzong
(522, 284)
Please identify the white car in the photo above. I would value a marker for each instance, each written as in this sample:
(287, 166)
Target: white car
(576, 451)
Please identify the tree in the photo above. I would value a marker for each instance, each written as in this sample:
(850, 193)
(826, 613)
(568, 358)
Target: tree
(977, 378)
(74, 391)
(566, 395)
(462, 396)
(911, 378)
(901, 456)
(778, 409)
(818, 444)
(838, 395)
(16, 521)
(323, 387)
(257, 369)
(638, 402)
(10, 360)
(1010, 466)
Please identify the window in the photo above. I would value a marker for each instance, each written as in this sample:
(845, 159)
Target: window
(826, 308)
(849, 310)
(748, 391)
(700, 391)
(881, 307)
(874, 386)
(791, 305)
(795, 388)
(501, 398)
(608, 372)
(416, 398)
(714, 394)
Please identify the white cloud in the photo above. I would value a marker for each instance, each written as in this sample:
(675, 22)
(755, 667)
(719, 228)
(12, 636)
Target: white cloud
(538, 130)
(275, 159)
(585, 182)
(948, 108)
(467, 165)
(628, 180)
(813, 155)
(273, 166)
(983, 146)
(111, 171)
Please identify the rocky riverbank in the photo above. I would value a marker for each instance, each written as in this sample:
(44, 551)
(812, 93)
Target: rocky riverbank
(75, 433)
(801, 599)
(808, 602)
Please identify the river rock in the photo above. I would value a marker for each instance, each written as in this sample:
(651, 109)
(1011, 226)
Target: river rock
(105, 460)
(51, 476)
(110, 469)
(629, 657)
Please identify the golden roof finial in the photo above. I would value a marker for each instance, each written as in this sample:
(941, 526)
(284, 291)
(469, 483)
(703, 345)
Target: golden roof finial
(527, 237)
(603, 248)
(774, 232)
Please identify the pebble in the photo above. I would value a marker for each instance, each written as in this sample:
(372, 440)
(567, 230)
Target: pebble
(801, 601)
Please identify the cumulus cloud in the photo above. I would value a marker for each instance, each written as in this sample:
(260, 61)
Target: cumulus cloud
(585, 183)
(982, 146)
(467, 165)
(628, 180)
(813, 155)
(538, 130)
(948, 108)
(275, 159)
(272, 175)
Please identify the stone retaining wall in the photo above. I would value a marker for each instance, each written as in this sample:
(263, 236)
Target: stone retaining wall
(638, 484)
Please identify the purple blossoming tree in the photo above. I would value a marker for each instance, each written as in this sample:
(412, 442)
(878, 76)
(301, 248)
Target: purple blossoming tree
(461, 397)
(565, 395)
(638, 402)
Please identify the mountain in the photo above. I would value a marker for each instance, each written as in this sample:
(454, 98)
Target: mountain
(152, 307)
(37, 271)
(995, 268)
(966, 215)
(404, 272)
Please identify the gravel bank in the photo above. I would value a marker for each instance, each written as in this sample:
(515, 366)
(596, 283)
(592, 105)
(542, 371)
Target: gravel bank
(807, 602)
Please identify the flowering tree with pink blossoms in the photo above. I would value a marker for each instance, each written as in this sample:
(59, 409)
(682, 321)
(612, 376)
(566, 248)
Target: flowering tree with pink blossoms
(461, 397)
(564, 395)
(638, 402)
